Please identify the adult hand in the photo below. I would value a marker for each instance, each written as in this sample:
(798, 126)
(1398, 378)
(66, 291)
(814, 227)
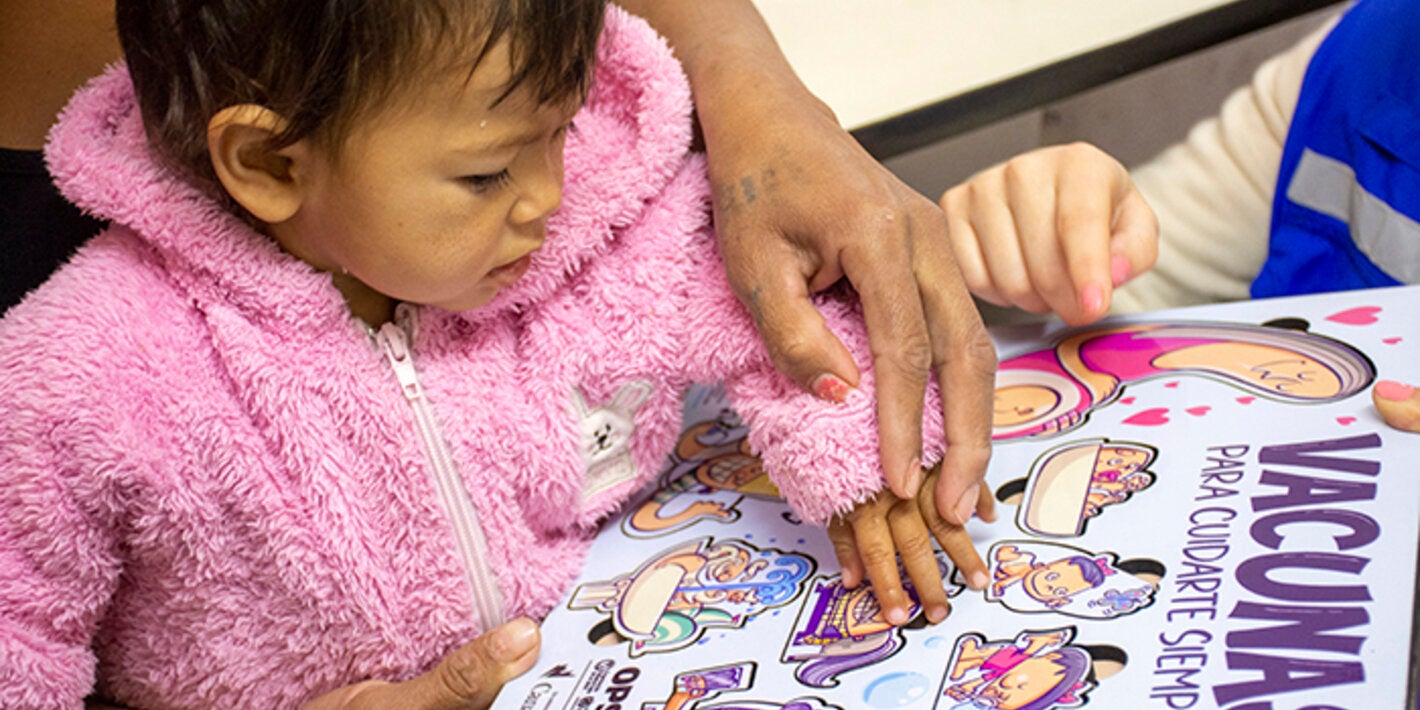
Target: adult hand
(869, 540)
(467, 679)
(1055, 229)
(800, 205)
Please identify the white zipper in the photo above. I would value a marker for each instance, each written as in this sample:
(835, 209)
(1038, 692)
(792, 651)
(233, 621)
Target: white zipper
(472, 544)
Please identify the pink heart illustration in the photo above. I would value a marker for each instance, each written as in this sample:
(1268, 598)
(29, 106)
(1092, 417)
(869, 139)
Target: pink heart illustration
(1150, 417)
(1345, 421)
(1391, 341)
(1126, 400)
(1172, 385)
(1363, 315)
(1198, 411)
(1246, 400)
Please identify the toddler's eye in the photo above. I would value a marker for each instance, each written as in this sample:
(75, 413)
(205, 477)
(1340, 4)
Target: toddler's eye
(484, 183)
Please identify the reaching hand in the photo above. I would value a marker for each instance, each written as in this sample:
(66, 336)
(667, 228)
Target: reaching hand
(1398, 404)
(869, 540)
(1055, 229)
(467, 679)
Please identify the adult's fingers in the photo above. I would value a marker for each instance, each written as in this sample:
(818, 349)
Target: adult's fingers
(880, 267)
(1398, 404)
(965, 363)
(799, 343)
(468, 678)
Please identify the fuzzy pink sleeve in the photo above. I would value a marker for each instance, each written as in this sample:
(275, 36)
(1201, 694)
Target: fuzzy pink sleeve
(58, 566)
(56, 573)
(823, 456)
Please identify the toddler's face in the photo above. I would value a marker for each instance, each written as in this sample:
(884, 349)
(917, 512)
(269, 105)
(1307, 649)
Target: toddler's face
(438, 198)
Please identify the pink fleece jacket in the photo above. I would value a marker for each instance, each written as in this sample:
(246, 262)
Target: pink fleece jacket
(213, 492)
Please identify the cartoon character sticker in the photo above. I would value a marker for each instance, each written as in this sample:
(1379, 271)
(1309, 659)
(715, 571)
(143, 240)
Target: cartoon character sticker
(1050, 391)
(1038, 670)
(670, 601)
(1072, 581)
(1074, 482)
(840, 629)
(711, 470)
(694, 687)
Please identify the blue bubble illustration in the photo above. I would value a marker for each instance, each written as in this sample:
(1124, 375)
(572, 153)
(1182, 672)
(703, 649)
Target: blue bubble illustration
(896, 690)
(936, 642)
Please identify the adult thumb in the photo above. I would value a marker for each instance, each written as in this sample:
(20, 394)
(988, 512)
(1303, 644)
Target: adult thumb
(471, 676)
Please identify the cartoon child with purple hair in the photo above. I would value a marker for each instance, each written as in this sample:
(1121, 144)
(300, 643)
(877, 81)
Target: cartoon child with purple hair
(1046, 392)
(1071, 583)
(1036, 671)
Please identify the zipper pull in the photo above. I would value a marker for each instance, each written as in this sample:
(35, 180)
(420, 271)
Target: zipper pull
(395, 345)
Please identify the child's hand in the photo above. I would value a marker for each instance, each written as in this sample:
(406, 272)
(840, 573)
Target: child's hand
(1056, 229)
(467, 679)
(869, 540)
(1398, 404)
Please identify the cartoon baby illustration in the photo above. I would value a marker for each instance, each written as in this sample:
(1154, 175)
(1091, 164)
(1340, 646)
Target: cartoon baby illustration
(674, 597)
(693, 688)
(1038, 670)
(710, 457)
(1070, 583)
(841, 629)
(1075, 481)
(1046, 392)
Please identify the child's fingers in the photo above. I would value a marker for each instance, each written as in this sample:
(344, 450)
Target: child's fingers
(986, 504)
(967, 249)
(840, 534)
(914, 545)
(954, 539)
(1134, 246)
(1090, 186)
(1398, 404)
(873, 537)
(996, 233)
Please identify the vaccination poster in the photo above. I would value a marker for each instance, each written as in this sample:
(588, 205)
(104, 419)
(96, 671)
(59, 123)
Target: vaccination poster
(1197, 508)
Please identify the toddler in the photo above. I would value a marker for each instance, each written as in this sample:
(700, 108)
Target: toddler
(343, 387)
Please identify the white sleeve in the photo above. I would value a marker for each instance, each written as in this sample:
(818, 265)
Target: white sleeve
(1213, 191)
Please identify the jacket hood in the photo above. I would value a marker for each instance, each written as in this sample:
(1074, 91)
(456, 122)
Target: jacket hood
(630, 139)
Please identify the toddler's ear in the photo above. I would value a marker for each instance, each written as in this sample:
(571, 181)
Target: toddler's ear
(260, 179)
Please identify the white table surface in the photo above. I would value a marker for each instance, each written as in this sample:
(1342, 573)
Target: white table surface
(874, 59)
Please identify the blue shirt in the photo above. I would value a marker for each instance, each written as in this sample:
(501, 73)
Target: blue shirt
(1346, 213)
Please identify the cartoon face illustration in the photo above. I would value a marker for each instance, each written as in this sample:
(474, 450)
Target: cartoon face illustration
(711, 470)
(1076, 481)
(1070, 581)
(1046, 392)
(1017, 404)
(1270, 368)
(1062, 578)
(1036, 671)
(672, 598)
(840, 630)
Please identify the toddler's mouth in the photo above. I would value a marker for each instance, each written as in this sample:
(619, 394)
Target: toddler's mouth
(510, 272)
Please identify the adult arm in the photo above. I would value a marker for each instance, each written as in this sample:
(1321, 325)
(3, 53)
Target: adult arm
(800, 205)
(48, 50)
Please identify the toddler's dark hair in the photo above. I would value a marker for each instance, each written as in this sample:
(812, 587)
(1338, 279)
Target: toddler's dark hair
(320, 63)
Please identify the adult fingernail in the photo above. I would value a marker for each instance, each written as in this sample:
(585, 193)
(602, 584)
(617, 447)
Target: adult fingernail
(831, 388)
(913, 482)
(512, 640)
(1394, 391)
(967, 503)
(1092, 298)
(978, 580)
(1119, 270)
(897, 616)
